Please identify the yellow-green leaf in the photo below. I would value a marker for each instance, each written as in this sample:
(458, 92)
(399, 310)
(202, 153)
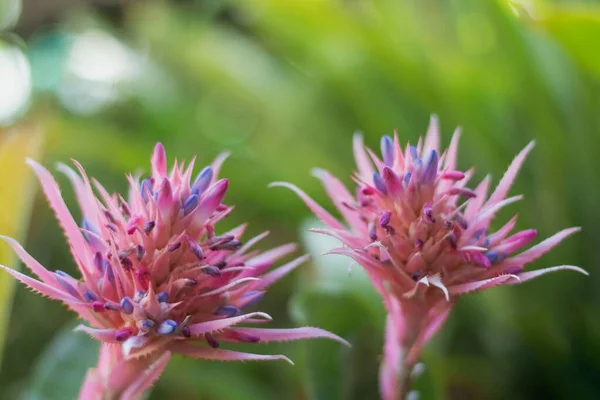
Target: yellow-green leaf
(16, 187)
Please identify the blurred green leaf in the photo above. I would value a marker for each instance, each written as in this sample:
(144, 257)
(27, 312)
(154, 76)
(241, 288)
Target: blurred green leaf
(578, 31)
(61, 369)
(15, 200)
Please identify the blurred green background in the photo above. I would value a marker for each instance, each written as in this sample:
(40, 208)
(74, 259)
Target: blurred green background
(283, 84)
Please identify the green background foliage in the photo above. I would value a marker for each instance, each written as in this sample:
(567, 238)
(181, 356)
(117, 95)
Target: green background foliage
(283, 85)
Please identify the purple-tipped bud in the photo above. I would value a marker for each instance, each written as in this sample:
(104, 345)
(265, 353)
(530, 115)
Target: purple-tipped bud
(419, 243)
(109, 272)
(89, 296)
(407, 177)
(231, 245)
(110, 217)
(190, 204)
(126, 305)
(228, 311)
(127, 264)
(428, 213)
(513, 270)
(253, 296)
(372, 231)
(166, 327)
(195, 248)
(379, 183)
(139, 252)
(384, 219)
(431, 167)
(202, 181)
(162, 297)
(146, 189)
(123, 334)
(99, 262)
(60, 275)
(98, 306)
(173, 246)
(146, 324)
(415, 157)
(211, 270)
(210, 339)
(387, 150)
(466, 193)
(148, 226)
(190, 282)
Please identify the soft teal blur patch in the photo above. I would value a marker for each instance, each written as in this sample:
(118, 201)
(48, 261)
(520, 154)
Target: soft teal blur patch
(48, 54)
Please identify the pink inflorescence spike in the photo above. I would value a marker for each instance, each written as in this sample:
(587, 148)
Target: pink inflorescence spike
(424, 238)
(156, 277)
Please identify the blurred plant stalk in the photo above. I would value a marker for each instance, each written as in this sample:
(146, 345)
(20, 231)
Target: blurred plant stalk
(16, 189)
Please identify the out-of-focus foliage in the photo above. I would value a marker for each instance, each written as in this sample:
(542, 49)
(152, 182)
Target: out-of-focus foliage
(283, 85)
(15, 197)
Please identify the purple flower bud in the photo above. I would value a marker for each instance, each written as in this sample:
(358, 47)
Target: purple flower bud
(190, 204)
(89, 296)
(202, 181)
(123, 334)
(387, 150)
(372, 231)
(162, 297)
(195, 248)
(431, 167)
(210, 339)
(173, 246)
(212, 271)
(148, 226)
(384, 219)
(428, 213)
(127, 264)
(139, 252)
(379, 183)
(407, 177)
(166, 327)
(146, 189)
(146, 324)
(126, 305)
(228, 311)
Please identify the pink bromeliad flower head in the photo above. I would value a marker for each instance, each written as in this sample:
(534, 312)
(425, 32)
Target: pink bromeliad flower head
(156, 276)
(424, 238)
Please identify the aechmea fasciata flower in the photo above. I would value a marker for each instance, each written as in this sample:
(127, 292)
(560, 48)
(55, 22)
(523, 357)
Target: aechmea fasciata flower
(424, 239)
(156, 275)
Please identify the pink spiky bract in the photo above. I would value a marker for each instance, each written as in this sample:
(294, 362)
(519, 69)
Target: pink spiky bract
(156, 278)
(420, 245)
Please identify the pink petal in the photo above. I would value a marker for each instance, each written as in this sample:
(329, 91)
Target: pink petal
(218, 163)
(52, 192)
(340, 196)
(432, 138)
(475, 204)
(217, 325)
(284, 335)
(319, 211)
(86, 201)
(147, 378)
(480, 285)
(509, 176)
(541, 248)
(452, 154)
(44, 289)
(102, 335)
(526, 276)
(209, 353)
(35, 267)
(365, 168)
(265, 260)
(159, 161)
